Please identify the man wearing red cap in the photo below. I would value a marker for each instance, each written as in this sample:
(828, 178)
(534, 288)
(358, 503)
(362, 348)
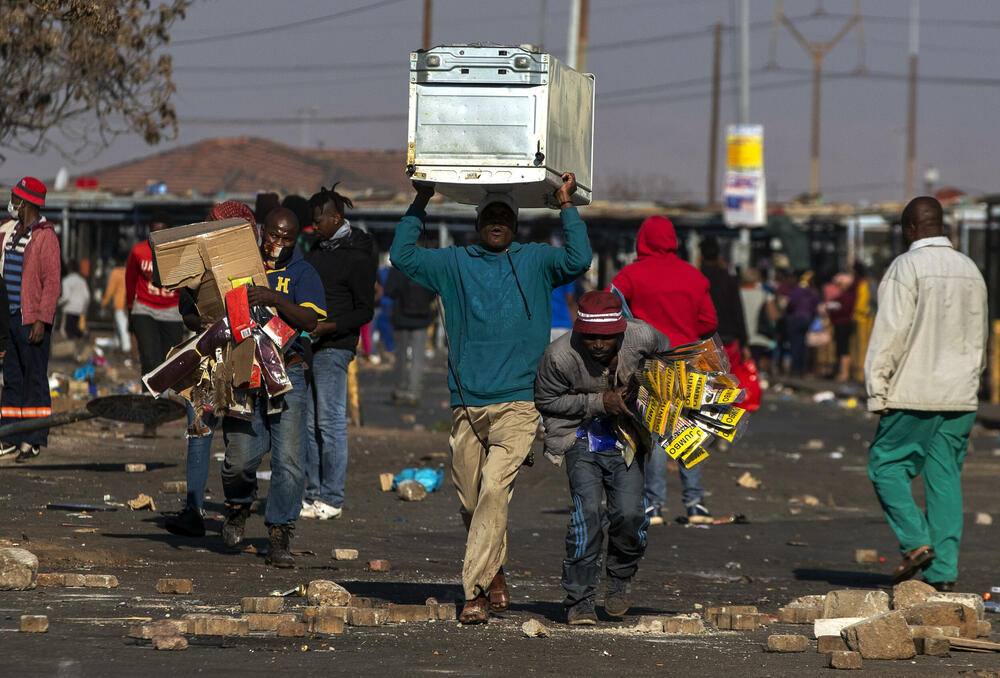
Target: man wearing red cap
(578, 390)
(31, 267)
(672, 296)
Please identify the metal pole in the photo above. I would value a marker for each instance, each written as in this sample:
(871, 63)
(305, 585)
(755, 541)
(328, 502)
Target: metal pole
(428, 11)
(814, 145)
(574, 34)
(543, 14)
(744, 62)
(713, 130)
(581, 42)
(911, 104)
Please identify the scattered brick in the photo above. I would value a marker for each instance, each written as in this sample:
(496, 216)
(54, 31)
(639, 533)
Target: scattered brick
(944, 614)
(175, 586)
(865, 556)
(534, 629)
(378, 566)
(385, 481)
(973, 600)
(175, 487)
(787, 643)
(344, 554)
(164, 627)
(909, 593)
(684, 623)
(826, 644)
(814, 601)
(327, 625)
(926, 631)
(326, 592)
(100, 581)
(844, 660)
(265, 605)
(443, 611)
(648, 624)
(855, 603)
(34, 623)
(170, 642)
(292, 629)
(217, 625)
(884, 636)
(74, 580)
(18, 569)
(366, 616)
(744, 622)
(798, 615)
(135, 468)
(314, 612)
(408, 613)
(360, 601)
(50, 579)
(983, 629)
(935, 646)
(259, 621)
(833, 627)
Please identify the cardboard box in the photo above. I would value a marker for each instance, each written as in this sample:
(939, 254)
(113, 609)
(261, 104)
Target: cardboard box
(211, 257)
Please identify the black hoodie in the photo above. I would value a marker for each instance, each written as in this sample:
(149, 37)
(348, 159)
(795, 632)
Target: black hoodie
(348, 274)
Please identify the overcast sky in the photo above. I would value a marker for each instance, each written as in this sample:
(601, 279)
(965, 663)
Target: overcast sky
(654, 130)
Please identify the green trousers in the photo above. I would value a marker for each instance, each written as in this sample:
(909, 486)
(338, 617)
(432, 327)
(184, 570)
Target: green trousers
(909, 443)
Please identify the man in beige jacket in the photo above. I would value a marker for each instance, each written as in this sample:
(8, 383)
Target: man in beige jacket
(927, 351)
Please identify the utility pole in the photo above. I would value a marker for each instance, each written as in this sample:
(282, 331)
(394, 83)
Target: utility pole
(817, 50)
(576, 45)
(428, 11)
(543, 14)
(744, 62)
(713, 130)
(909, 183)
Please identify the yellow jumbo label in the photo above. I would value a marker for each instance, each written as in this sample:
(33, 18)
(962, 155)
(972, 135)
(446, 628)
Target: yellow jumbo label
(240, 282)
(680, 375)
(667, 382)
(676, 405)
(685, 440)
(728, 395)
(695, 456)
(695, 390)
(732, 417)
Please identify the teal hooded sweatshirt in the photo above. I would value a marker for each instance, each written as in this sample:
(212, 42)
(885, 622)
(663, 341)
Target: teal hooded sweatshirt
(496, 334)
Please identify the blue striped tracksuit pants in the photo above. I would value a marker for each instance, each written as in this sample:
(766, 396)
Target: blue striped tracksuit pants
(592, 475)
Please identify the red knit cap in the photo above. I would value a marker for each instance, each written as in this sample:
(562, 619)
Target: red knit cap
(231, 209)
(31, 190)
(599, 312)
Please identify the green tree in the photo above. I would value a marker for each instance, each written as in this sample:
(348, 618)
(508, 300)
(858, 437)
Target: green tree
(74, 74)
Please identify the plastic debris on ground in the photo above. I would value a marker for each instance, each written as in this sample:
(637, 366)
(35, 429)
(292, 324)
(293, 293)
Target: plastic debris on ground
(430, 478)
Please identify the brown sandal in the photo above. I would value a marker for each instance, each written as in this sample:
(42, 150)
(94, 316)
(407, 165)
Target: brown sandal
(498, 594)
(476, 611)
(913, 561)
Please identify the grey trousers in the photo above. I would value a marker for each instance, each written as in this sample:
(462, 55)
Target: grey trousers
(409, 382)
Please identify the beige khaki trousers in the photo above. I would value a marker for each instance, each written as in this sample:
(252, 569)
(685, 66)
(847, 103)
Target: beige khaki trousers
(485, 481)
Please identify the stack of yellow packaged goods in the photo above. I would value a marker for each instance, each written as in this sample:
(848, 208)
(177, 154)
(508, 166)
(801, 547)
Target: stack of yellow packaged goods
(687, 398)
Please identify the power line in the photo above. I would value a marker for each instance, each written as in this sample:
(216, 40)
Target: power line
(291, 67)
(293, 24)
(965, 23)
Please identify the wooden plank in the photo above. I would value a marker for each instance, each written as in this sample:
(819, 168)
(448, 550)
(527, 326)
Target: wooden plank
(970, 644)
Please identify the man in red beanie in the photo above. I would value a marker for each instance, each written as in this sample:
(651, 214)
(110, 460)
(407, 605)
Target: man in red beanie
(672, 296)
(578, 392)
(31, 267)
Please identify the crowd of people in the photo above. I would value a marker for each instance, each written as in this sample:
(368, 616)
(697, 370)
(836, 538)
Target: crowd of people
(526, 347)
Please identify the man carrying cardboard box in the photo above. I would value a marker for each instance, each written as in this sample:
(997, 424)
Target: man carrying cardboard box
(276, 425)
(497, 297)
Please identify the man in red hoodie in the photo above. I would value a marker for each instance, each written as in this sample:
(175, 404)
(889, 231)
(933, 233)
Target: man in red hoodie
(31, 267)
(672, 296)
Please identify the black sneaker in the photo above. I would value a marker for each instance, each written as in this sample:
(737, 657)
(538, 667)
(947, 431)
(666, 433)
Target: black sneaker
(187, 523)
(582, 613)
(27, 454)
(619, 596)
(236, 521)
(278, 554)
(655, 514)
(698, 514)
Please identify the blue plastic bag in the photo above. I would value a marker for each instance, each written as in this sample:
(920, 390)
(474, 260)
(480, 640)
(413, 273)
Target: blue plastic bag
(430, 478)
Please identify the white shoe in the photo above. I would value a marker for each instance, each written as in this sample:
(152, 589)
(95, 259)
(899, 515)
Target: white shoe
(324, 511)
(308, 510)
(7, 449)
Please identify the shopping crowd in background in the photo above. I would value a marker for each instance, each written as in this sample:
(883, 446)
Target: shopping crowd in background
(529, 342)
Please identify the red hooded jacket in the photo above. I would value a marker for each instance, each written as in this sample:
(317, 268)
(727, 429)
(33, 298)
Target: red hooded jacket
(663, 289)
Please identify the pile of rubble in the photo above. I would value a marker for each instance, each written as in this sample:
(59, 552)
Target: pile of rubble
(852, 625)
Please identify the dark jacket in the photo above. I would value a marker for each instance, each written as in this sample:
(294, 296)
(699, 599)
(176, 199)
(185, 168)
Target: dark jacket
(725, 292)
(348, 275)
(570, 386)
(411, 302)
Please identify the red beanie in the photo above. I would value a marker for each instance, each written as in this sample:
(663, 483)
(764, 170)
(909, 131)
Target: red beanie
(31, 190)
(599, 312)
